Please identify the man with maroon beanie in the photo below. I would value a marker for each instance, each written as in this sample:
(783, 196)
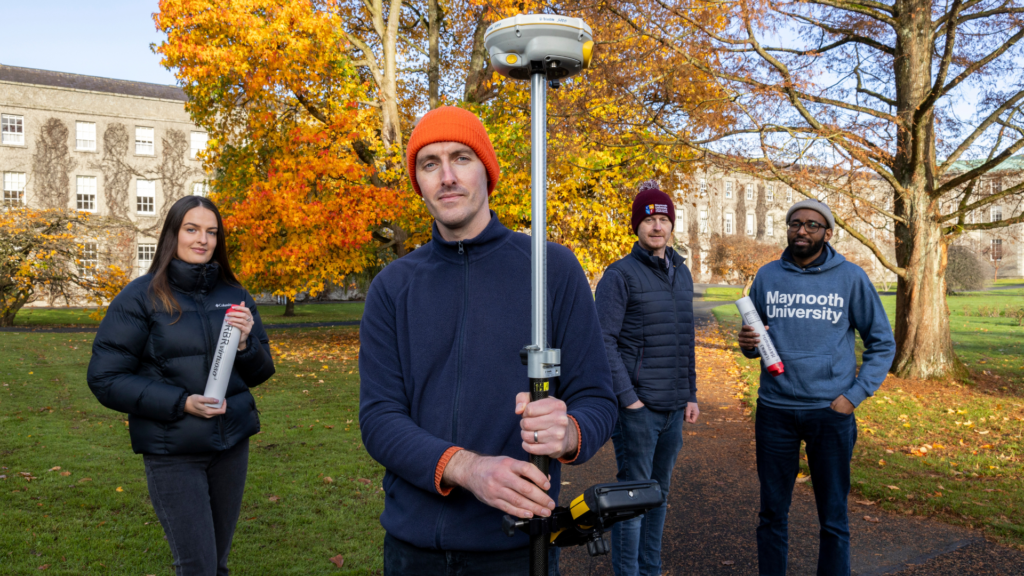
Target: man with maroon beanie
(443, 394)
(645, 304)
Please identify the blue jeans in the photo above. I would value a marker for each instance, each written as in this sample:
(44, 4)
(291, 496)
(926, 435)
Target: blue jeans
(830, 437)
(404, 559)
(646, 446)
(197, 498)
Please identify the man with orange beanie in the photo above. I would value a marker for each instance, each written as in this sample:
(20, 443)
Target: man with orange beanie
(443, 394)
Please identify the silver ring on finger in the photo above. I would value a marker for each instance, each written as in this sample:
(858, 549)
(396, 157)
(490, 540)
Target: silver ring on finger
(536, 440)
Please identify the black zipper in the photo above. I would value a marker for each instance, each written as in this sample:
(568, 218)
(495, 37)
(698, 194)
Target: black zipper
(458, 380)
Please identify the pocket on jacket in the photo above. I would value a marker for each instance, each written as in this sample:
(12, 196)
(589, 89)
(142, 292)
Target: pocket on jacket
(809, 376)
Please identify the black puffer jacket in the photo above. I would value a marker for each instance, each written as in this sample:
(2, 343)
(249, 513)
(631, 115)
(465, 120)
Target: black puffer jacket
(146, 364)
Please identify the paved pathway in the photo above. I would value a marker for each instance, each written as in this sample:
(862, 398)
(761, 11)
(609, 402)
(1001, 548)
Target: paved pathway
(714, 500)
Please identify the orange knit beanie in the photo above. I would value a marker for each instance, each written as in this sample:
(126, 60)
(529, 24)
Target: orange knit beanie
(451, 124)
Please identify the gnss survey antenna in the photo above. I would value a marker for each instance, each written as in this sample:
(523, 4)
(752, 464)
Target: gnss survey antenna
(543, 49)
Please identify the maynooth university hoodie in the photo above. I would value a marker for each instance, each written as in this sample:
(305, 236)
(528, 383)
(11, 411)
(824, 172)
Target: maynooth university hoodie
(812, 313)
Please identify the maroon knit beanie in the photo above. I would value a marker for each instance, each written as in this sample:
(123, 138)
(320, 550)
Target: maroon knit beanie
(652, 201)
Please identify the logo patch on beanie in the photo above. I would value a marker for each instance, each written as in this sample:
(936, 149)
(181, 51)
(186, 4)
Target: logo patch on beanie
(656, 209)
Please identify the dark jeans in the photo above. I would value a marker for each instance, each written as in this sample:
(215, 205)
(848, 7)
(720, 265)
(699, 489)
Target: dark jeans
(646, 446)
(197, 498)
(404, 559)
(830, 437)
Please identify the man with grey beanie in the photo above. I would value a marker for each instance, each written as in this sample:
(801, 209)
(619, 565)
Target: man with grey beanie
(814, 300)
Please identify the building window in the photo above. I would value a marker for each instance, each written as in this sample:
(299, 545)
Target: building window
(728, 223)
(680, 221)
(198, 142)
(750, 191)
(769, 226)
(789, 195)
(145, 195)
(995, 214)
(85, 199)
(750, 224)
(13, 129)
(200, 189)
(90, 258)
(85, 136)
(769, 192)
(14, 188)
(728, 189)
(997, 249)
(703, 187)
(144, 141)
(146, 254)
(703, 222)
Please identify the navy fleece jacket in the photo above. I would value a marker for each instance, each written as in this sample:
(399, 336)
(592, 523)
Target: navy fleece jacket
(439, 367)
(812, 313)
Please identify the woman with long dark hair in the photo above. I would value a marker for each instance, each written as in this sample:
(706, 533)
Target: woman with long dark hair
(151, 358)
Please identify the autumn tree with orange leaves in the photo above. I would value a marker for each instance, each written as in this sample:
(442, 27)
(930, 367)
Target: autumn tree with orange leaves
(309, 105)
(282, 105)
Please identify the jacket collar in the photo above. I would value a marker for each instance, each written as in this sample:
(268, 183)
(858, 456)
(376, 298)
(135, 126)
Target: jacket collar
(493, 236)
(672, 258)
(191, 278)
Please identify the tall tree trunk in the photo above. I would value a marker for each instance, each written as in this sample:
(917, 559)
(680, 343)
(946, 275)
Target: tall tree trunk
(434, 50)
(924, 348)
(289, 307)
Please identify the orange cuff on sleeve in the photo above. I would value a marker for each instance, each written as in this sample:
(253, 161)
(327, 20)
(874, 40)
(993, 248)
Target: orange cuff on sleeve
(439, 471)
(579, 442)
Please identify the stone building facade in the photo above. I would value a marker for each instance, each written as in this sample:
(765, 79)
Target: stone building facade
(115, 148)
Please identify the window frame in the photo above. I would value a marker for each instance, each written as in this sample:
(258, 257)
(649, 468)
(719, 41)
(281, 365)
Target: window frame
(150, 195)
(727, 224)
(141, 142)
(997, 250)
(769, 192)
(751, 224)
(78, 138)
(10, 187)
(728, 190)
(750, 192)
(8, 121)
(192, 150)
(769, 225)
(90, 196)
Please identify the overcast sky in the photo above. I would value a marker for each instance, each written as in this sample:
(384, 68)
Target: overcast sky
(108, 38)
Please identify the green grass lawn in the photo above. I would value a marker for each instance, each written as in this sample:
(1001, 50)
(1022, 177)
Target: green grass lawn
(946, 449)
(271, 314)
(83, 507)
(718, 294)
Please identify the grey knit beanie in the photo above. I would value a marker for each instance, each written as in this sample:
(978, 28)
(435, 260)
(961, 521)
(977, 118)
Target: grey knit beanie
(816, 205)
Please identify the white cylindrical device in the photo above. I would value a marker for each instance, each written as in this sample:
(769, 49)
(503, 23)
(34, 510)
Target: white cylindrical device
(223, 360)
(769, 354)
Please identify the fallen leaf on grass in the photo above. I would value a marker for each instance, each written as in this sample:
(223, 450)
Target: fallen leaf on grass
(44, 566)
(865, 502)
(54, 468)
(801, 478)
(893, 487)
(65, 473)
(274, 498)
(338, 560)
(119, 489)
(328, 479)
(873, 520)
(364, 481)
(80, 480)
(727, 562)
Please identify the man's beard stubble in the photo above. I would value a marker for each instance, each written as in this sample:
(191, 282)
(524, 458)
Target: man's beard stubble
(808, 251)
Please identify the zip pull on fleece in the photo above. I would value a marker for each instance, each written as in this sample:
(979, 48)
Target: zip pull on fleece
(461, 251)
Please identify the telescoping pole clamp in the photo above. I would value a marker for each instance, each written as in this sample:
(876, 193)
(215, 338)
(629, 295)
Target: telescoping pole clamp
(543, 49)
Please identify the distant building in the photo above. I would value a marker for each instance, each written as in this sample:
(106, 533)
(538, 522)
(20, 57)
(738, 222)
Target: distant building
(111, 147)
(726, 203)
